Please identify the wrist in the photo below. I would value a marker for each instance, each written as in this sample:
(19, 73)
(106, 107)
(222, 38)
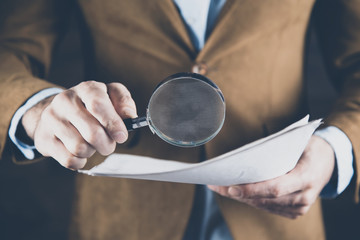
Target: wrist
(17, 119)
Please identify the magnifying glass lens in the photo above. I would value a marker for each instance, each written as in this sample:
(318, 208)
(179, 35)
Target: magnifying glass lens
(186, 109)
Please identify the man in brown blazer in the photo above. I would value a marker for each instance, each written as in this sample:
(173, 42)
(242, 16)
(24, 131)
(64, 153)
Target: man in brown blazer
(255, 53)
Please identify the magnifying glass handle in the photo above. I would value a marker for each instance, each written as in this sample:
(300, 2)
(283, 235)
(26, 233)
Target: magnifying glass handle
(134, 123)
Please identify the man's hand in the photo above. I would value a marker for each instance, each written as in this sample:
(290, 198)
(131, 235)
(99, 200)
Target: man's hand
(290, 195)
(74, 124)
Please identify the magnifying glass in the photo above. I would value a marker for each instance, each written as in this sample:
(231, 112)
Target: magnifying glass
(185, 109)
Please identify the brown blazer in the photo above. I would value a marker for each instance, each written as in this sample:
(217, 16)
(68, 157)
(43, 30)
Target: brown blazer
(255, 54)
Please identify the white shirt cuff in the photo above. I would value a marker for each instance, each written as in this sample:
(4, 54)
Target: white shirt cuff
(26, 149)
(343, 158)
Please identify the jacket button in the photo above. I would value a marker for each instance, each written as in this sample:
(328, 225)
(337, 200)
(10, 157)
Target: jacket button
(200, 68)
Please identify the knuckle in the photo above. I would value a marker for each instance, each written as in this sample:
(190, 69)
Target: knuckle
(311, 185)
(246, 191)
(63, 98)
(58, 99)
(95, 105)
(80, 149)
(119, 89)
(126, 98)
(275, 192)
(113, 124)
(68, 94)
(47, 115)
(92, 84)
(127, 111)
(95, 135)
(71, 162)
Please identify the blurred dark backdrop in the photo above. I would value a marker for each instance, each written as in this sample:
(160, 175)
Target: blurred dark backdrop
(341, 215)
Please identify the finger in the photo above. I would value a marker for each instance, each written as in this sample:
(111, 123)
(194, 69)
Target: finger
(289, 212)
(72, 139)
(274, 188)
(53, 147)
(223, 191)
(297, 199)
(122, 100)
(292, 213)
(72, 109)
(286, 211)
(290, 206)
(97, 102)
(65, 158)
(293, 205)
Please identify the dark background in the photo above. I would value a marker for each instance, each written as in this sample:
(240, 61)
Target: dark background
(341, 215)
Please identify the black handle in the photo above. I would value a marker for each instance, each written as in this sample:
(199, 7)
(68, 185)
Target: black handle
(134, 123)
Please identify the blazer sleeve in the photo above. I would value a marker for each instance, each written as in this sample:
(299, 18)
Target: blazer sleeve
(338, 28)
(28, 33)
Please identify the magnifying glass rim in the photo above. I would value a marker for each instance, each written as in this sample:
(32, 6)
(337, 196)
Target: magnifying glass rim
(178, 76)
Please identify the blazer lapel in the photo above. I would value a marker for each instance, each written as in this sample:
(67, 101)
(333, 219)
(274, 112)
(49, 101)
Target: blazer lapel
(217, 31)
(174, 19)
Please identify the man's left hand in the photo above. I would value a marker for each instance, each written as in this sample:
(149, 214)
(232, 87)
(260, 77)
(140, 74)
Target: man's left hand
(292, 194)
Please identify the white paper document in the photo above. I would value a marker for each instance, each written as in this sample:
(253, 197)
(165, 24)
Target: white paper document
(261, 160)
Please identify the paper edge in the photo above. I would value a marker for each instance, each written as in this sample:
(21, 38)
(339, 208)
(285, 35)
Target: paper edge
(299, 124)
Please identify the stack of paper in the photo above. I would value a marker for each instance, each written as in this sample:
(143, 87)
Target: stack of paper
(261, 160)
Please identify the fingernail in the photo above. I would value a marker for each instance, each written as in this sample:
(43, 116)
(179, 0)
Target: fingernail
(233, 191)
(129, 112)
(120, 137)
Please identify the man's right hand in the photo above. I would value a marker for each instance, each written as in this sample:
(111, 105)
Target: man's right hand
(71, 126)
